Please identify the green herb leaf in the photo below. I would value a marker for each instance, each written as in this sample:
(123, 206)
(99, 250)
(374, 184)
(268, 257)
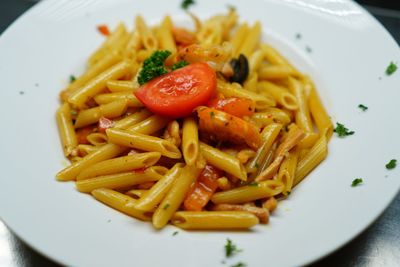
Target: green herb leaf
(175, 233)
(308, 49)
(187, 3)
(356, 182)
(153, 66)
(72, 78)
(253, 184)
(391, 165)
(212, 114)
(231, 7)
(362, 107)
(239, 264)
(166, 206)
(298, 36)
(230, 248)
(257, 165)
(342, 131)
(391, 68)
(179, 64)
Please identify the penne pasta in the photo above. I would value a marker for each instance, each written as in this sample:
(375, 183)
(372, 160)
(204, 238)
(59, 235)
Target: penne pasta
(248, 193)
(190, 141)
(235, 90)
(66, 129)
(79, 97)
(223, 161)
(144, 142)
(155, 195)
(120, 202)
(214, 220)
(175, 196)
(111, 110)
(120, 164)
(119, 180)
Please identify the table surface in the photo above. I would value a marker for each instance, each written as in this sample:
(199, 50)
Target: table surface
(379, 245)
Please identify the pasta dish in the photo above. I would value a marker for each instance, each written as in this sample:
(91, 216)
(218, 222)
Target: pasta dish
(203, 128)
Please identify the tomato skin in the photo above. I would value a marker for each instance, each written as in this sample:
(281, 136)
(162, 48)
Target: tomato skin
(178, 93)
(82, 133)
(103, 29)
(203, 189)
(239, 107)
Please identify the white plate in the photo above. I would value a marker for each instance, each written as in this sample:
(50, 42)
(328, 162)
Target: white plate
(350, 52)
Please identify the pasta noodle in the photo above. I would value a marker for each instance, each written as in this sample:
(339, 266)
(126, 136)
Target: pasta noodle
(205, 129)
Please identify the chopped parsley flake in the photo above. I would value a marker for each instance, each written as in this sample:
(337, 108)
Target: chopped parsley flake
(391, 68)
(257, 165)
(239, 264)
(231, 7)
(362, 107)
(153, 66)
(391, 165)
(179, 64)
(166, 206)
(253, 184)
(342, 131)
(212, 114)
(356, 182)
(230, 248)
(298, 36)
(21, 92)
(187, 3)
(175, 233)
(308, 49)
(72, 78)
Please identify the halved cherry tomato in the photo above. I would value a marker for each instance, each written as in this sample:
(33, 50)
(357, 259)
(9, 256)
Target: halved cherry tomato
(104, 124)
(203, 189)
(103, 29)
(235, 106)
(177, 93)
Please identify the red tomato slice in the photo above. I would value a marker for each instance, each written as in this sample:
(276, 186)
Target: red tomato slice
(203, 189)
(103, 29)
(177, 93)
(235, 106)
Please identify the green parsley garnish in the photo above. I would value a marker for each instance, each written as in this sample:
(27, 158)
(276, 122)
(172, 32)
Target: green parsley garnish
(391, 68)
(187, 3)
(362, 107)
(356, 182)
(166, 206)
(179, 64)
(298, 36)
(175, 233)
(231, 7)
(230, 248)
(72, 78)
(212, 114)
(153, 66)
(342, 131)
(253, 184)
(239, 264)
(391, 165)
(257, 165)
(308, 49)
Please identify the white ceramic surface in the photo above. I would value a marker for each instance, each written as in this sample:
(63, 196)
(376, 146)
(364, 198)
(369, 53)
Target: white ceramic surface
(350, 52)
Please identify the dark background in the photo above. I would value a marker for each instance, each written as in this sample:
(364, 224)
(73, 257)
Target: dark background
(379, 245)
